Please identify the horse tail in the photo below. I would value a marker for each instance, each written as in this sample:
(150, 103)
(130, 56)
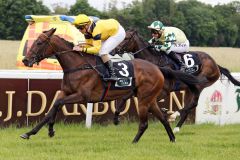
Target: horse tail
(188, 79)
(226, 72)
(184, 77)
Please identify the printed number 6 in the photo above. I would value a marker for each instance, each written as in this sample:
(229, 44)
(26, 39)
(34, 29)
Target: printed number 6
(188, 60)
(124, 72)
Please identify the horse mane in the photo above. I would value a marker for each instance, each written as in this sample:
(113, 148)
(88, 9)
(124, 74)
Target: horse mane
(69, 44)
(143, 41)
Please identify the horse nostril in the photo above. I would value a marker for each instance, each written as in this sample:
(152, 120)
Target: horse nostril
(25, 62)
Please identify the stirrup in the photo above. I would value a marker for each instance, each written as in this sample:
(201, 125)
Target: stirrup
(110, 78)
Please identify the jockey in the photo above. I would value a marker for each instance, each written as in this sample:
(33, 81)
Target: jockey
(101, 38)
(171, 40)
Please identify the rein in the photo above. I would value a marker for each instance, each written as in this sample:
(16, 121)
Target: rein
(125, 44)
(82, 67)
(140, 50)
(129, 40)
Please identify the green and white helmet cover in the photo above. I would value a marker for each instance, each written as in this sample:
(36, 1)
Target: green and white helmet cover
(157, 25)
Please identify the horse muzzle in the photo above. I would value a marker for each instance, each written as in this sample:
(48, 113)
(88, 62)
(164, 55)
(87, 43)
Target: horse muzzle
(27, 63)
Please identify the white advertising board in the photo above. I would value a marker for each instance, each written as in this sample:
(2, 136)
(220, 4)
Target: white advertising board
(219, 103)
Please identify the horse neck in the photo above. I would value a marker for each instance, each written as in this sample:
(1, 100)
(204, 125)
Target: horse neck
(147, 54)
(68, 58)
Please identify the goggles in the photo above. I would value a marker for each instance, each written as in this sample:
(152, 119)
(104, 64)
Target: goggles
(81, 27)
(153, 31)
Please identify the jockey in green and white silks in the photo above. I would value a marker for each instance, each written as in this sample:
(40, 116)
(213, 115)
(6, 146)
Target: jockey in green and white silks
(171, 40)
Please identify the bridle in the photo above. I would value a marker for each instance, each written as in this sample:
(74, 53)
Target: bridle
(38, 57)
(124, 46)
(46, 41)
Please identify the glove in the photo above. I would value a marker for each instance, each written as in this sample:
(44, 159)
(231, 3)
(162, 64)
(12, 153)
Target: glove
(151, 45)
(158, 47)
(78, 48)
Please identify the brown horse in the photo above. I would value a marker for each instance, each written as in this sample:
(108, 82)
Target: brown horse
(208, 70)
(82, 83)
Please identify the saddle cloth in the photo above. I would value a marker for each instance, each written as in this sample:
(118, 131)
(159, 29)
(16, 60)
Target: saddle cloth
(124, 71)
(192, 62)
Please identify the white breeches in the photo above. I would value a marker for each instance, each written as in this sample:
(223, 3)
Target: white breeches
(112, 42)
(179, 48)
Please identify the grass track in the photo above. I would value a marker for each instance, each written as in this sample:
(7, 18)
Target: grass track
(73, 142)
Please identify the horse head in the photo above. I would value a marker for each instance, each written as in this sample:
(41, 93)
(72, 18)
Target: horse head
(41, 48)
(134, 43)
(129, 44)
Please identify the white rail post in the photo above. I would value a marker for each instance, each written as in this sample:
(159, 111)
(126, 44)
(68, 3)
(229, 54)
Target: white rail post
(89, 115)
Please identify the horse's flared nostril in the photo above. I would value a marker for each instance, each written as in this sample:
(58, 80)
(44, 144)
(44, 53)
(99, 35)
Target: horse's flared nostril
(25, 62)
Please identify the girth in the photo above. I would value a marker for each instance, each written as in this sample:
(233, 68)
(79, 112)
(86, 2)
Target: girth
(82, 67)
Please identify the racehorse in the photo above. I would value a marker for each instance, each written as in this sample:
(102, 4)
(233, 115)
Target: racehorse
(82, 82)
(207, 69)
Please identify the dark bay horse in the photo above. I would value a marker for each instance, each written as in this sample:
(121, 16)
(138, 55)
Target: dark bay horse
(82, 85)
(209, 70)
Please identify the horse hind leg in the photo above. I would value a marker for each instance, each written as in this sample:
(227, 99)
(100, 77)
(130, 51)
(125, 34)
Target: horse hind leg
(185, 112)
(160, 116)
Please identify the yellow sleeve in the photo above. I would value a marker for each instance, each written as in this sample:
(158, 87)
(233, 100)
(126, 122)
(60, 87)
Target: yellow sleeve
(89, 43)
(95, 48)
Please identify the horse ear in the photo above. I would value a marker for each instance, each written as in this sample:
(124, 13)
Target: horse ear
(52, 30)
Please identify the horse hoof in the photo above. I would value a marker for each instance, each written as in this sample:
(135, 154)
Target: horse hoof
(24, 136)
(173, 140)
(171, 120)
(134, 142)
(116, 121)
(174, 115)
(176, 130)
(51, 134)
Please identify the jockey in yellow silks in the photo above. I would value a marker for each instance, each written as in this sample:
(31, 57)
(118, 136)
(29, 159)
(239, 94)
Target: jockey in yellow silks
(101, 38)
(171, 40)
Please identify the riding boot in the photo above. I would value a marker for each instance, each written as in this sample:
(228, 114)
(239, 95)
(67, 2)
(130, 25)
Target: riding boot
(109, 65)
(178, 61)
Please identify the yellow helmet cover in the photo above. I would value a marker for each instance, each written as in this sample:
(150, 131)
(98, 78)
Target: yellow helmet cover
(81, 19)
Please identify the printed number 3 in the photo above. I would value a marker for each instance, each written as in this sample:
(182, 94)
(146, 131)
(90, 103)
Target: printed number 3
(124, 72)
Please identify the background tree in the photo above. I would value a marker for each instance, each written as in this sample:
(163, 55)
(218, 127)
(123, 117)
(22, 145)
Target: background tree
(12, 12)
(204, 25)
(82, 6)
(58, 8)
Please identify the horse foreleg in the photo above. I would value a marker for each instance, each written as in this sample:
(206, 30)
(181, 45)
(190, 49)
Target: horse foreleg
(45, 120)
(51, 131)
(119, 108)
(143, 125)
